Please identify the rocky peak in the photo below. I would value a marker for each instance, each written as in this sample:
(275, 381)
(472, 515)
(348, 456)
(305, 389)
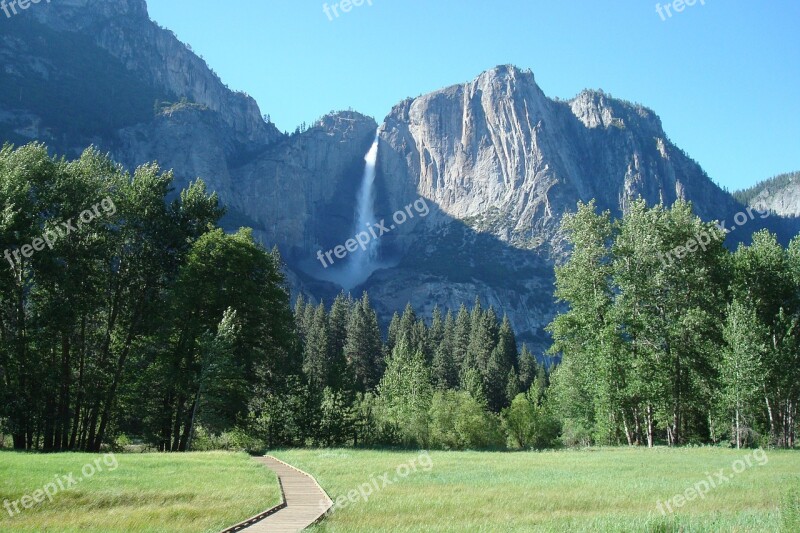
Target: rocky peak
(596, 109)
(506, 77)
(344, 121)
(123, 29)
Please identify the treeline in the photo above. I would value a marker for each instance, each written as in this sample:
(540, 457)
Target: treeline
(698, 346)
(144, 320)
(456, 382)
(777, 182)
(141, 319)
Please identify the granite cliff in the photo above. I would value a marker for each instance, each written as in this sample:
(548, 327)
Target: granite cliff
(497, 161)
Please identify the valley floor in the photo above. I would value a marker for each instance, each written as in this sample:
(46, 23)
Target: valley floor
(589, 490)
(154, 493)
(605, 489)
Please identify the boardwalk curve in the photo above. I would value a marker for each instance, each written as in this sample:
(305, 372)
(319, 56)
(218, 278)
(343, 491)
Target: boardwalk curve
(303, 503)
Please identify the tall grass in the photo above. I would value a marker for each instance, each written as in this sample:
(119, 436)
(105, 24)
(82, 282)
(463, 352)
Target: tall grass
(790, 508)
(612, 490)
(169, 493)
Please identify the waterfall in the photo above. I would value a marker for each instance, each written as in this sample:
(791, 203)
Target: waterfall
(364, 262)
(365, 210)
(359, 265)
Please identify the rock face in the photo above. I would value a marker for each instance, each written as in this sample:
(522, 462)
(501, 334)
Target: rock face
(503, 163)
(124, 29)
(784, 201)
(497, 162)
(780, 195)
(499, 144)
(301, 191)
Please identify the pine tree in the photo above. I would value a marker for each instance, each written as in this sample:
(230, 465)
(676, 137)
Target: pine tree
(393, 335)
(495, 379)
(307, 320)
(507, 342)
(412, 329)
(435, 335)
(482, 342)
(338, 318)
(363, 348)
(299, 317)
(527, 368)
(443, 368)
(316, 364)
(461, 335)
(540, 385)
(472, 382)
(478, 340)
(512, 388)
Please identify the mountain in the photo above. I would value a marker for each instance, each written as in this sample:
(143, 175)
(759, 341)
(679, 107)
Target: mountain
(497, 162)
(80, 71)
(780, 194)
(503, 163)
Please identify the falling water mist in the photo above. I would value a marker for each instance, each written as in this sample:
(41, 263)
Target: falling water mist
(364, 262)
(365, 208)
(360, 264)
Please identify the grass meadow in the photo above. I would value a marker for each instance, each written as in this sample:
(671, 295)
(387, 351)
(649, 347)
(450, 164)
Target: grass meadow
(588, 490)
(169, 493)
(603, 489)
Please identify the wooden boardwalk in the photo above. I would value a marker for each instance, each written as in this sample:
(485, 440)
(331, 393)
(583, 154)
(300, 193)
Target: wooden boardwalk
(304, 502)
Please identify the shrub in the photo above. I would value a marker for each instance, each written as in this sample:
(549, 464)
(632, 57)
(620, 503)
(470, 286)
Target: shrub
(574, 433)
(235, 440)
(405, 395)
(530, 425)
(336, 419)
(458, 421)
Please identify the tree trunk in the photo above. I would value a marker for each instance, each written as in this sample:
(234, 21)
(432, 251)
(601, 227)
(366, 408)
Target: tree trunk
(628, 435)
(62, 427)
(111, 397)
(769, 413)
(194, 416)
(712, 436)
(176, 426)
(73, 441)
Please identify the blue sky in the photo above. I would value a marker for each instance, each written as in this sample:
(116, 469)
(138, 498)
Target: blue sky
(724, 77)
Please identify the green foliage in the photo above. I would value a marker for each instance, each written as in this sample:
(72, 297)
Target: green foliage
(144, 319)
(363, 347)
(459, 422)
(575, 433)
(530, 424)
(405, 393)
(527, 368)
(741, 372)
(235, 440)
(668, 337)
(336, 419)
(284, 415)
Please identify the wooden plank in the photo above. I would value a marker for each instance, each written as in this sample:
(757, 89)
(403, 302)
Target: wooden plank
(304, 502)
